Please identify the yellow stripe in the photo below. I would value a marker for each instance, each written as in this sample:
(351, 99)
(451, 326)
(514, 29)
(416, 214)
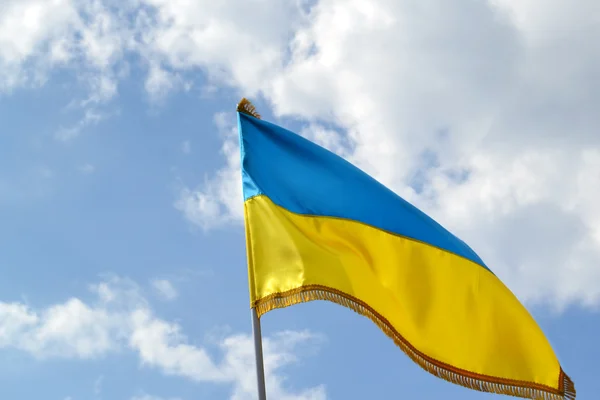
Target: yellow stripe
(454, 313)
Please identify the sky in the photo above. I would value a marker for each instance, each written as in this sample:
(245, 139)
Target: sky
(122, 250)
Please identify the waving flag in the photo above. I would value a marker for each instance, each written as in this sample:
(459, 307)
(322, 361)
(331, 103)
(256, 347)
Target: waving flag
(318, 228)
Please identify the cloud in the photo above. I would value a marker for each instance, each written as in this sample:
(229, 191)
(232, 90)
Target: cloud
(90, 118)
(165, 289)
(238, 48)
(86, 38)
(36, 36)
(160, 82)
(119, 319)
(217, 201)
(279, 352)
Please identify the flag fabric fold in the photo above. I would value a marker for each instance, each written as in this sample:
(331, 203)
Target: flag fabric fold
(318, 228)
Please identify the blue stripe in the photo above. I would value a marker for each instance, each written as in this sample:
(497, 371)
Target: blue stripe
(305, 178)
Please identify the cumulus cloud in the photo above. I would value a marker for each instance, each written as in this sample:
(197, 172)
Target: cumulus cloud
(90, 117)
(217, 200)
(84, 37)
(37, 35)
(71, 329)
(165, 289)
(120, 319)
(160, 82)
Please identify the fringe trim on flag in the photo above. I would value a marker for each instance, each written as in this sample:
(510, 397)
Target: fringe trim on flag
(447, 372)
(246, 107)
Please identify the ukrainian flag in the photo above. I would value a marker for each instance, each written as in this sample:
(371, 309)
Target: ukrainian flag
(318, 228)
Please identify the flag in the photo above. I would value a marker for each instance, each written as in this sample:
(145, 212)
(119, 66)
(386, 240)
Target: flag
(319, 228)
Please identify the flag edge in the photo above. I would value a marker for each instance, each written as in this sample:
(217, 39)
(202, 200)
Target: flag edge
(471, 380)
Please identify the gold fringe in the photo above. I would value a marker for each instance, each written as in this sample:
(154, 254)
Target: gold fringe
(246, 107)
(447, 372)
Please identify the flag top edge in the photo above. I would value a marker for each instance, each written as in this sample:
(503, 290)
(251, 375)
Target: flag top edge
(273, 163)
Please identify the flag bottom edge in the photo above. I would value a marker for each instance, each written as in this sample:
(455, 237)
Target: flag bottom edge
(482, 383)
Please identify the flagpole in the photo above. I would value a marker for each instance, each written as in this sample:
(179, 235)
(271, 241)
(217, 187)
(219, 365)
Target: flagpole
(245, 106)
(258, 354)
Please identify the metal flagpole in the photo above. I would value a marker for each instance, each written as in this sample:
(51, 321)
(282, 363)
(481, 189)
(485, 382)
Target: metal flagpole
(258, 354)
(246, 107)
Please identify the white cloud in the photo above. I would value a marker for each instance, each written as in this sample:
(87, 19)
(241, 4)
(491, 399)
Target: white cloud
(25, 28)
(218, 200)
(161, 344)
(330, 139)
(90, 117)
(36, 35)
(279, 351)
(160, 82)
(120, 319)
(237, 48)
(165, 289)
(102, 89)
(70, 329)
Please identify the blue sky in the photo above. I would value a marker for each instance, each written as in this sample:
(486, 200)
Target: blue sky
(123, 257)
